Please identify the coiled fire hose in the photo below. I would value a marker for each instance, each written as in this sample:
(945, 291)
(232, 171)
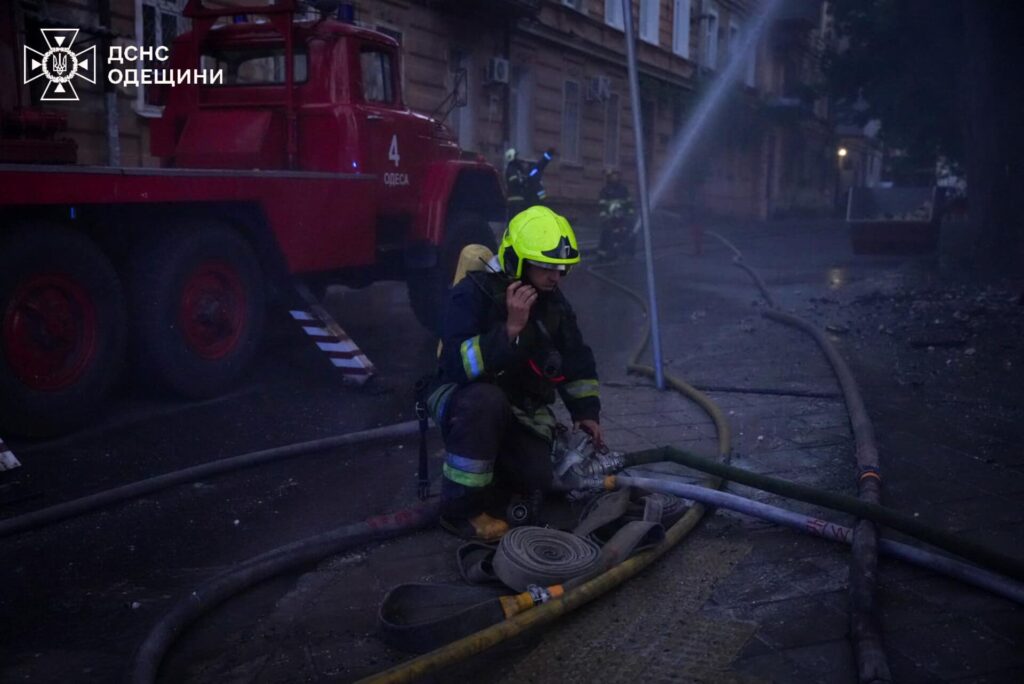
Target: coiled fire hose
(541, 556)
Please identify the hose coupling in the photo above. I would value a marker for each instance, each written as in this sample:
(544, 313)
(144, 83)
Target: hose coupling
(601, 464)
(538, 593)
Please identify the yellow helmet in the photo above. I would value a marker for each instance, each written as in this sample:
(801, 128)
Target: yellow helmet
(541, 236)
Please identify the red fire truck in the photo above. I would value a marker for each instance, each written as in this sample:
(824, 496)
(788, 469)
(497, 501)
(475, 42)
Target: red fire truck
(303, 164)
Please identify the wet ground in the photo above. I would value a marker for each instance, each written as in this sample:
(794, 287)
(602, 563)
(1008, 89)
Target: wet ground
(940, 366)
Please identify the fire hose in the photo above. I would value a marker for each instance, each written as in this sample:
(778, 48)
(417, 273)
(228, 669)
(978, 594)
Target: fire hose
(522, 612)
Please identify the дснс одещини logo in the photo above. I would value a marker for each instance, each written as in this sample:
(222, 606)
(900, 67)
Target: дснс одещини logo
(60, 65)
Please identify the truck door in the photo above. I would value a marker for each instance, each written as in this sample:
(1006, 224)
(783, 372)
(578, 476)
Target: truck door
(380, 111)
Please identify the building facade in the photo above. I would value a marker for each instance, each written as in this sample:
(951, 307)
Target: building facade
(537, 74)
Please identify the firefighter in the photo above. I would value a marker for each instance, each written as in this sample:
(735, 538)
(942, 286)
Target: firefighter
(616, 217)
(524, 181)
(511, 343)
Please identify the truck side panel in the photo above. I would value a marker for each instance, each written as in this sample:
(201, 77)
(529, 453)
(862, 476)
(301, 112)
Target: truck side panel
(321, 221)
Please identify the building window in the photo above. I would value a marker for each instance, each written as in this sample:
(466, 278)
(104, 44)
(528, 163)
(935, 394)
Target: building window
(733, 44)
(681, 28)
(157, 24)
(750, 74)
(571, 122)
(611, 131)
(520, 109)
(613, 14)
(575, 4)
(256, 65)
(650, 14)
(461, 119)
(709, 42)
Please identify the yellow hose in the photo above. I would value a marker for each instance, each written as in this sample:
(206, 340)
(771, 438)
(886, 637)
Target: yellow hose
(466, 647)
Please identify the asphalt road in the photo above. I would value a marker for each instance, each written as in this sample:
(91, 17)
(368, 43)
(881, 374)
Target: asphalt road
(77, 597)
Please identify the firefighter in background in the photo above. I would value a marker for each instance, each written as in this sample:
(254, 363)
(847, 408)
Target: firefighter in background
(511, 344)
(523, 181)
(617, 217)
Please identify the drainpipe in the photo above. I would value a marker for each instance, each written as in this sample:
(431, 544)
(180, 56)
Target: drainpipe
(506, 118)
(645, 202)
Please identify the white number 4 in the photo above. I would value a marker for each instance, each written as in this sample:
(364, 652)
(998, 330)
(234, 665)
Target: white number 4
(393, 150)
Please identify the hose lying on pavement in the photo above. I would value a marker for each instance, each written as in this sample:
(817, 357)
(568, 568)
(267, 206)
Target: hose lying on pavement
(965, 572)
(865, 628)
(965, 548)
(146, 663)
(85, 504)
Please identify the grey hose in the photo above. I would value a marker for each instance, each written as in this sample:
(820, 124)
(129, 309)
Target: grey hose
(70, 509)
(964, 572)
(543, 556)
(146, 663)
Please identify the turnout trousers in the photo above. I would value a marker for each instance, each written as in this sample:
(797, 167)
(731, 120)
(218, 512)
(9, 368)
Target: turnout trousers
(489, 453)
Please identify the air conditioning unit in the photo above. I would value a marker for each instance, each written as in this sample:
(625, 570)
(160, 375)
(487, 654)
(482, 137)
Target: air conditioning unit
(599, 88)
(497, 70)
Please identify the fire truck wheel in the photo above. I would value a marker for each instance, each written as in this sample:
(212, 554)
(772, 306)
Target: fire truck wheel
(429, 286)
(62, 330)
(198, 307)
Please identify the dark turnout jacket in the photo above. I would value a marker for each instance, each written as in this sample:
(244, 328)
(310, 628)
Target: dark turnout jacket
(476, 348)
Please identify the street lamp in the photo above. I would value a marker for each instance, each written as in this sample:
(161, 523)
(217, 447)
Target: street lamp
(841, 157)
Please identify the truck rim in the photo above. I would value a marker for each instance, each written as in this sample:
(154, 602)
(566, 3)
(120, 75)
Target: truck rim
(50, 331)
(212, 314)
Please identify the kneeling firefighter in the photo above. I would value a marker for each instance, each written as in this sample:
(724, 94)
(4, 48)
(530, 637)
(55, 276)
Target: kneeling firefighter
(510, 344)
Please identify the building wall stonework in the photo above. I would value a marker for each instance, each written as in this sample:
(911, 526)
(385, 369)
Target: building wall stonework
(557, 58)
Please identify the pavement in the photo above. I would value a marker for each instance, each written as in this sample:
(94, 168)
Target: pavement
(938, 358)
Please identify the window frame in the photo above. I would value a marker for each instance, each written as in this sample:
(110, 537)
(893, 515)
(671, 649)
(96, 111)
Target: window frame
(521, 96)
(709, 42)
(681, 19)
(734, 38)
(613, 15)
(750, 68)
(388, 82)
(570, 151)
(612, 129)
(160, 7)
(647, 22)
(301, 74)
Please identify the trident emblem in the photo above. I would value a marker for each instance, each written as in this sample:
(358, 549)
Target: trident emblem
(60, 65)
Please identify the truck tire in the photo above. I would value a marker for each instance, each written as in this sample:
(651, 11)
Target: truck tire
(429, 286)
(62, 330)
(198, 308)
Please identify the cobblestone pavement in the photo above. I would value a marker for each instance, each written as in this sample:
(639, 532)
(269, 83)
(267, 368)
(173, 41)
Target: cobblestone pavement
(739, 600)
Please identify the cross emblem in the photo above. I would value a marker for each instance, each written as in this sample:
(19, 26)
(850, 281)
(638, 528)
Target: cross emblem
(60, 65)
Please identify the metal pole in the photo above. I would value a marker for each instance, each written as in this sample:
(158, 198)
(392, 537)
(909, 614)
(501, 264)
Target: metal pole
(645, 206)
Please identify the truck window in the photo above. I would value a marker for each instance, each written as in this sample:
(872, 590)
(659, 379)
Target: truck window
(254, 66)
(378, 83)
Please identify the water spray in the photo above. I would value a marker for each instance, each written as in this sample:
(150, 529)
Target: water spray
(683, 142)
(680, 148)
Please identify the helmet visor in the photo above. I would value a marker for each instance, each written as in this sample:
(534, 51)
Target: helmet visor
(563, 268)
